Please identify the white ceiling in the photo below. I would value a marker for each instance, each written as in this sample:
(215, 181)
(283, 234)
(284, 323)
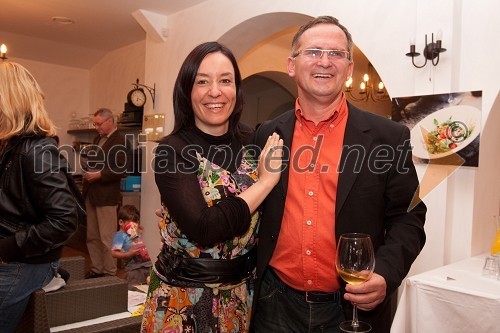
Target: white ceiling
(26, 27)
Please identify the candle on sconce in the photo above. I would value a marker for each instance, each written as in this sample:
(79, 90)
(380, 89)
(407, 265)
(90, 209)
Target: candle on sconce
(348, 83)
(380, 86)
(362, 86)
(439, 35)
(3, 51)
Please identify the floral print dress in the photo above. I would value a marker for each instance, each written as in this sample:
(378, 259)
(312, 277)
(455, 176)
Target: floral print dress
(194, 307)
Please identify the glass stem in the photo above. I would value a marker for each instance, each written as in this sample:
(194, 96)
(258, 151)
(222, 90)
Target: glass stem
(355, 322)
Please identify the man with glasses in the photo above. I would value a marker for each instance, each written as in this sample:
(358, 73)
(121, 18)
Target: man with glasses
(344, 170)
(106, 164)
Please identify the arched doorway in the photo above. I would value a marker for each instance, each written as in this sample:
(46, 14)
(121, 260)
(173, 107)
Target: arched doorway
(267, 96)
(262, 57)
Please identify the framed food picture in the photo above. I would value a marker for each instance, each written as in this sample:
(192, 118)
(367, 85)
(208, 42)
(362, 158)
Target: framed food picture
(444, 127)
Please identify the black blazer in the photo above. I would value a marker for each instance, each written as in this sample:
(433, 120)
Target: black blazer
(113, 160)
(376, 185)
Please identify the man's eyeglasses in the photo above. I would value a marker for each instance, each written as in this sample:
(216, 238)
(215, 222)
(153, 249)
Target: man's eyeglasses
(318, 53)
(96, 124)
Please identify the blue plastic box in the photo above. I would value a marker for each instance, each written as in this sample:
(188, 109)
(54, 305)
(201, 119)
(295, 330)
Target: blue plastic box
(131, 184)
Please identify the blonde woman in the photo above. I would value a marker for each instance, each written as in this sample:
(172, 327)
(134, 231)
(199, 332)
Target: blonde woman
(38, 211)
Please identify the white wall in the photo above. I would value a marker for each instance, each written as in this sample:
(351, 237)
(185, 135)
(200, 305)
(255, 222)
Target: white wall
(111, 79)
(381, 30)
(108, 84)
(66, 91)
(487, 185)
(75, 93)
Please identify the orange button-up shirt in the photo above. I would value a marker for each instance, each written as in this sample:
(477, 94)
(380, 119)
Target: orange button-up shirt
(305, 253)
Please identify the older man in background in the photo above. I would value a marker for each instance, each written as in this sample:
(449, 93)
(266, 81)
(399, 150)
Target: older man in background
(107, 162)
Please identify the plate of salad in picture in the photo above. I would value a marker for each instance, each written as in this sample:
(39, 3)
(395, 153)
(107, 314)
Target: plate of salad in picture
(445, 131)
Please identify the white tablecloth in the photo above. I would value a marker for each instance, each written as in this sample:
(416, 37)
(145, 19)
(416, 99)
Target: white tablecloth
(453, 298)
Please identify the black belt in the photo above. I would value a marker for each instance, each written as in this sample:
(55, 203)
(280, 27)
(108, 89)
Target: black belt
(206, 270)
(310, 296)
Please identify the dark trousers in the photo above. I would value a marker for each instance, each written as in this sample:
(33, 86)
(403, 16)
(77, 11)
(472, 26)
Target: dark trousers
(281, 309)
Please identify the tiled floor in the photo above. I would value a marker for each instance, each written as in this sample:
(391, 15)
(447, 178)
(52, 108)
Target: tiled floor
(71, 252)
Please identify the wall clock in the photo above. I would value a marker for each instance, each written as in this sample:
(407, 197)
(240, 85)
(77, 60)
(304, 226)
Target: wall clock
(137, 97)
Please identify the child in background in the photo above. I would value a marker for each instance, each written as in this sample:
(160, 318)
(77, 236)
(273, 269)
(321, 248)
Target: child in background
(128, 245)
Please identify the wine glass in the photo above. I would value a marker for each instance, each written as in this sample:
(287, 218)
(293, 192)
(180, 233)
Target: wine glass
(355, 264)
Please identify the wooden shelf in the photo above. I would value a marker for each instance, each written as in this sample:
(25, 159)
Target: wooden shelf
(93, 131)
(81, 131)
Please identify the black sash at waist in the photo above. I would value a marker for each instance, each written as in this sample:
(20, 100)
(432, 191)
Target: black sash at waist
(206, 270)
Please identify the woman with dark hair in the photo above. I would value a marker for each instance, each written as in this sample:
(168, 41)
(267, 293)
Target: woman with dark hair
(211, 187)
(38, 212)
(184, 116)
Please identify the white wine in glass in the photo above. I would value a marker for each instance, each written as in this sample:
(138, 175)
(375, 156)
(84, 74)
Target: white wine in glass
(355, 264)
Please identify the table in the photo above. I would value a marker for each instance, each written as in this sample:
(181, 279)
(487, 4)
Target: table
(453, 298)
(135, 300)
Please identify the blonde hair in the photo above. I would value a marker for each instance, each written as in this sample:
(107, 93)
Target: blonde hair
(22, 109)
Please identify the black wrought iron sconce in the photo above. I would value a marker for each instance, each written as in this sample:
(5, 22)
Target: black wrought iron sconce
(3, 52)
(431, 50)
